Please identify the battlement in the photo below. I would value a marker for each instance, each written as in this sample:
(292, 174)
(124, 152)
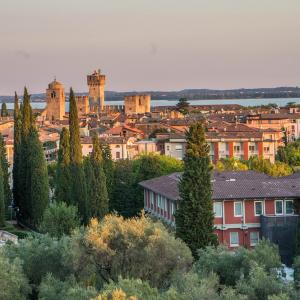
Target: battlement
(96, 78)
(137, 104)
(82, 105)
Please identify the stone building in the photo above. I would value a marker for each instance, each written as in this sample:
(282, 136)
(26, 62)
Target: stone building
(96, 84)
(55, 98)
(137, 104)
(82, 105)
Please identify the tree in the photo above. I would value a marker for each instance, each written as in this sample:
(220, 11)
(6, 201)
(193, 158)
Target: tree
(63, 182)
(108, 167)
(59, 219)
(121, 246)
(79, 192)
(37, 185)
(183, 106)
(5, 173)
(2, 202)
(4, 111)
(98, 203)
(13, 282)
(195, 217)
(17, 153)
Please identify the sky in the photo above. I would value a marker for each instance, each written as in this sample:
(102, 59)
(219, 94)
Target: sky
(149, 44)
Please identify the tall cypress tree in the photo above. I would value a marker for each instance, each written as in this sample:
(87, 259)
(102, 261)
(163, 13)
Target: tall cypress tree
(78, 193)
(99, 202)
(195, 217)
(5, 173)
(63, 175)
(17, 152)
(2, 205)
(4, 112)
(108, 167)
(37, 183)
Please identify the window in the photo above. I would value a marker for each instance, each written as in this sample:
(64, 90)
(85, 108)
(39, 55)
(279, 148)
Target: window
(266, 149)
(218, 209)
(117, 154)
(237, 148)
(251, 148)
(178, 147)
(278, 207)
(168, 148)
(238, 209)
(234, 239)
(289, 207)
(254, 238)
(258, 208)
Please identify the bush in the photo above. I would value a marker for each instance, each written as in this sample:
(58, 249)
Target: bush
(59, 219)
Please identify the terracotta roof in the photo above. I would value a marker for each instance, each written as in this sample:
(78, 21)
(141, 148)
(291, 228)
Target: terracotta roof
(232, 185)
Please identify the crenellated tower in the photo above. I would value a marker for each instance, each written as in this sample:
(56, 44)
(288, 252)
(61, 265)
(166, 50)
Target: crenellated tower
(96, 83)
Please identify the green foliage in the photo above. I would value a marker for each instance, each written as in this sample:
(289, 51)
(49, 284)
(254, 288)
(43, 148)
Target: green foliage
(290, 154)
(55, 289)
(231, 266)
(59, 219)
(136, 248)
(4, 111)
(2, 204)
(183, 106)
(108, 167)
(194, 217)
(63, 180)
(14, 284)
(230, 164)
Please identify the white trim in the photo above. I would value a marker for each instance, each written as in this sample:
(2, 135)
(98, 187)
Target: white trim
(237, 226)
(285, 207)
(215, 204)
(262, 209)
(282, 202)
(256, 232)
(234, 203)
(238, 237)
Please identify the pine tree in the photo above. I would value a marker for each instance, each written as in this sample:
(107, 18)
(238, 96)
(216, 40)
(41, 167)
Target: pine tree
(195, 217)
(99, 201)
(108, 167)
(78, 193)
(4, 112)
(63, 175)
(2, 204)
(37, 184)
(5, 173)
(17, 152)
(183, 106)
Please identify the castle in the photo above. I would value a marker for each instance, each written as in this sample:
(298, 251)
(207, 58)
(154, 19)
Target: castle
(94, 102)
(137, 104)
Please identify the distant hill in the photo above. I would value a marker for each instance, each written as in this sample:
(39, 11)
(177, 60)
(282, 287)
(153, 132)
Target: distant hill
(193, 94)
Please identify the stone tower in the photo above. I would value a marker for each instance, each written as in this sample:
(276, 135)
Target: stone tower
(55, 97)
(137, 104)
(96, 83)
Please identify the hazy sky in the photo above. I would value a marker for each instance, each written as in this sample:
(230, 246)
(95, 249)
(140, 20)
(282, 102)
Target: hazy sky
(149, 44)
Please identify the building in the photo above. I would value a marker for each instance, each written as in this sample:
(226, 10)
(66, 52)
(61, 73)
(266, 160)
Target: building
(247, 206)
(231, 141)
(137, 104)
(96, 84)
(82, 105)
(56, 102)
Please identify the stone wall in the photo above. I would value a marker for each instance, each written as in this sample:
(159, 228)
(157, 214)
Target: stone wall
(137, 104)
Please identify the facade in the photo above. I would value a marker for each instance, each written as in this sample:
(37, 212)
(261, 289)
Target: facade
(82, 105)
(55, 98)
(232, 141)
(96, 84)
(137, 104)
(241, 199)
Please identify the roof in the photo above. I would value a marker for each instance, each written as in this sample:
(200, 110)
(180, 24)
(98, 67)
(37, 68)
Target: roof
(232, 185)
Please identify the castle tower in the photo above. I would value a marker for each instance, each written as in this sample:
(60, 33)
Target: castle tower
(96, 83)
(55, 97)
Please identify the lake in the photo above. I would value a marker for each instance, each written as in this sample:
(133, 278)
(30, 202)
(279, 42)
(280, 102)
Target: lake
(244, 102)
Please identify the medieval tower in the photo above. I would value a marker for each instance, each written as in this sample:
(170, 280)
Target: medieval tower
(96, 83)
(55, 97)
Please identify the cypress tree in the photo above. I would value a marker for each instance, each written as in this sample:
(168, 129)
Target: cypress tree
(4, 112)
(99, 207)
(63, 175)
(108, 167)
(5, 173)
(17, 152)
(195, 217)
(78, 193)
(2, 205)
(37, 184)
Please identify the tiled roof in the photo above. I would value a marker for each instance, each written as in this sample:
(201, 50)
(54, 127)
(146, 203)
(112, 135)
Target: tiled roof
(232, 185)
